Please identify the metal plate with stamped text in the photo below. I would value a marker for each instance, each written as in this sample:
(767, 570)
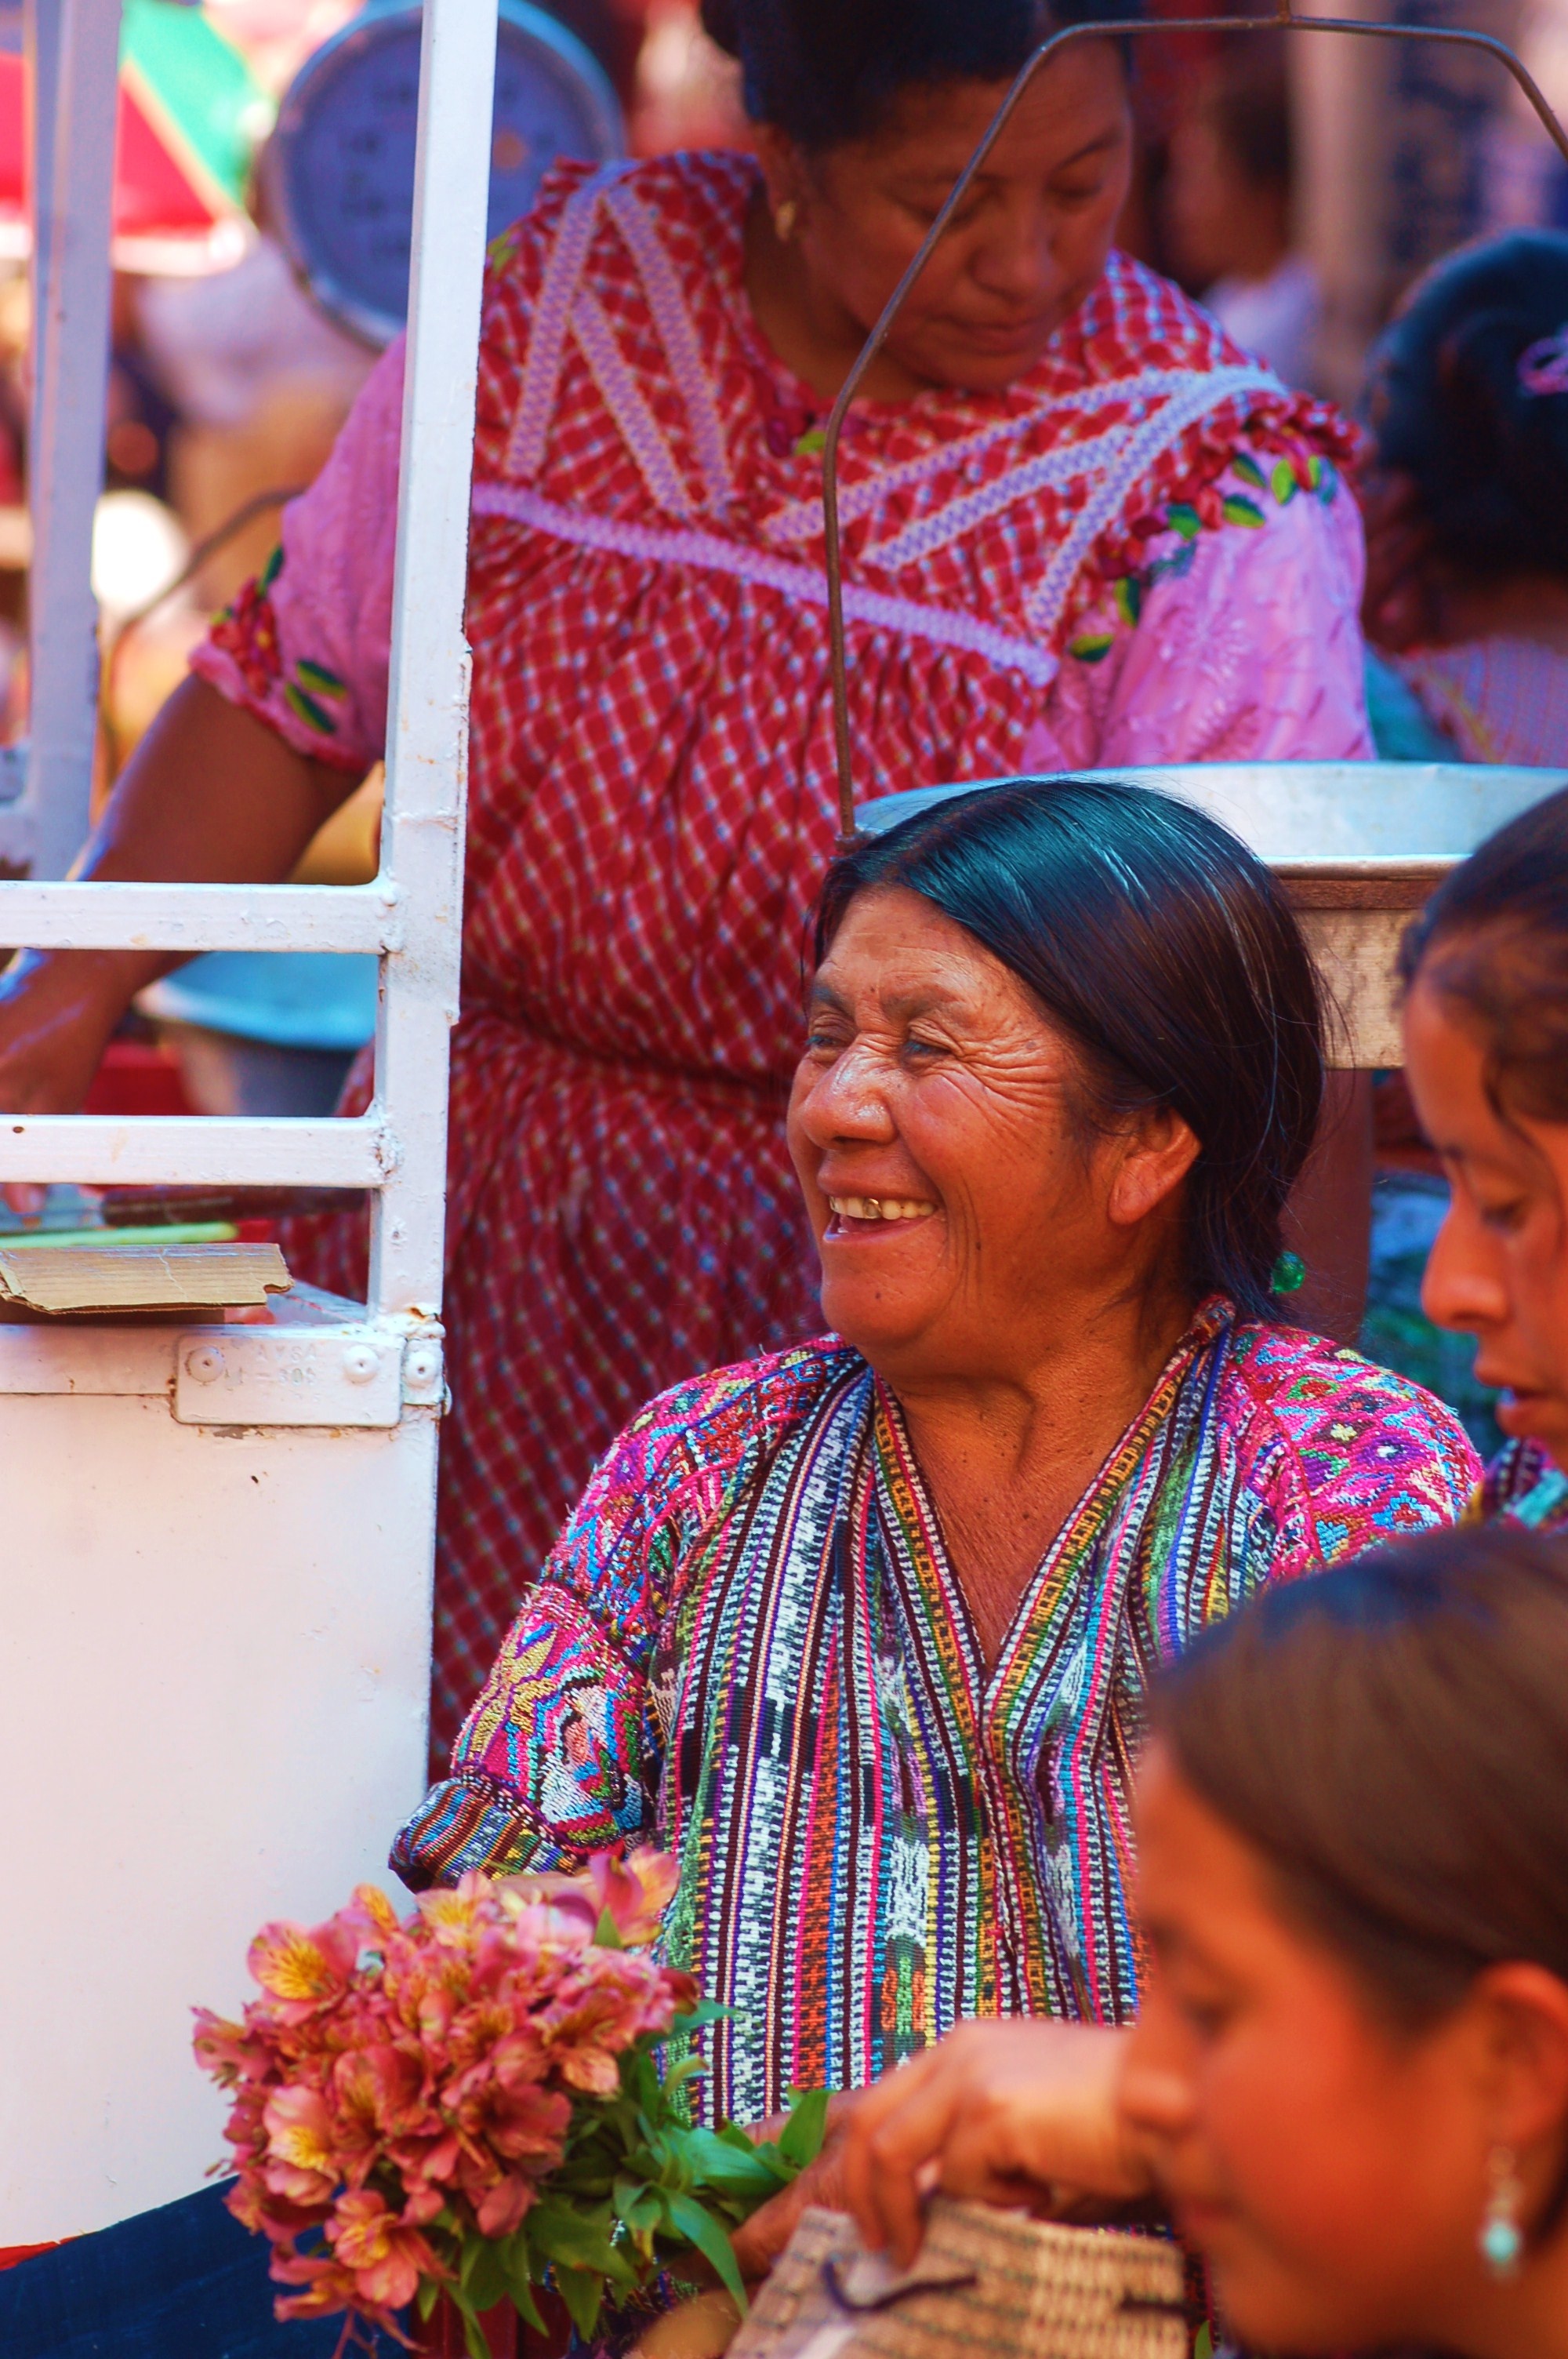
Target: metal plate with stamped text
(325, 1376)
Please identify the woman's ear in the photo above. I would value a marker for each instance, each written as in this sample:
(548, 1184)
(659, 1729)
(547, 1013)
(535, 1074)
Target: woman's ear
(1521, 2017)
(1156, 1154)
(783, 174)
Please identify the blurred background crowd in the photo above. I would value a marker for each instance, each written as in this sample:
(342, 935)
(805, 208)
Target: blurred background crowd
(1297, 188)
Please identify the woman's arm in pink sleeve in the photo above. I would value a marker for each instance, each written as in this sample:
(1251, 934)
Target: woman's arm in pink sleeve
(305, 647)
(286, 712)
(1254, 651)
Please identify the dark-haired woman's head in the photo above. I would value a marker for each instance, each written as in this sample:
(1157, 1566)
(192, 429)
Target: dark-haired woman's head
(1468, 401)
(1352, 2060)
(865, 117)
(1064, 1058)
(1486, 1026)
(1227, 191)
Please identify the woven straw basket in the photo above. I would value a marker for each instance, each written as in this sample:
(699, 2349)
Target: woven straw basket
(984, 2281)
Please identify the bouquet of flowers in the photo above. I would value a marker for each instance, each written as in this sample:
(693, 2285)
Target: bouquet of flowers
(470, 2102)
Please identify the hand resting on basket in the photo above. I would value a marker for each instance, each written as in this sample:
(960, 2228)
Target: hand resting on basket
(1023, 2114)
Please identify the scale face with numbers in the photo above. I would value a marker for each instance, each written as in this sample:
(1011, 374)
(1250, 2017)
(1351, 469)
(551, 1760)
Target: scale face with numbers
(340, 164)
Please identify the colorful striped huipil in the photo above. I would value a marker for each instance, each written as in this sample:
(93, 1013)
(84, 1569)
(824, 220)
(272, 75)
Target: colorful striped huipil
(1135, 553)
(748, 1646)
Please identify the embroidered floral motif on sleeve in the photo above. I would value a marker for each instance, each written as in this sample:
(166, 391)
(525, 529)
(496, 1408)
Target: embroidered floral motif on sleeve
(247, 631)
(1236, 499)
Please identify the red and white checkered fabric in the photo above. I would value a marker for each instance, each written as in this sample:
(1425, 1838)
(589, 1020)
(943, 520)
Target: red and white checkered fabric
(651, 796)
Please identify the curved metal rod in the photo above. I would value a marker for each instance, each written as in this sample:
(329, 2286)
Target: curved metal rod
(1283, 20)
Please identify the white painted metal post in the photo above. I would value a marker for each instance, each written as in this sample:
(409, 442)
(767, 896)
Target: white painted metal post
(427, 753)
(75, 44)
(41, 49)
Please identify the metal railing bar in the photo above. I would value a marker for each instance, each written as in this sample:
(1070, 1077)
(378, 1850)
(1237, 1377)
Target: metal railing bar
(1277, 20)
(75, 52)
(199, 1150)
(427, 749)
(191, 918)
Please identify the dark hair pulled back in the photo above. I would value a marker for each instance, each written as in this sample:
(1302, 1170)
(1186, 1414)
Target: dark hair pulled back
(1493, 942)
(1392, 1735)
(824, 72)
(1169, 957)
(1448, 406)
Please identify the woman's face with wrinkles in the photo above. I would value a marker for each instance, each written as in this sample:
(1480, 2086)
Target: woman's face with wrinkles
(960, 1212)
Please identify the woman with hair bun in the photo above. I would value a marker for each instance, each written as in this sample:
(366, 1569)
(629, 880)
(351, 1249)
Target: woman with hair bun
(1468, 518)
(1080, 527)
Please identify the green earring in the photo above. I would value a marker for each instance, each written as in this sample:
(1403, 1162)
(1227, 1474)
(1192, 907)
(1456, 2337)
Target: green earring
(1289, 1275)
(1501, 2240)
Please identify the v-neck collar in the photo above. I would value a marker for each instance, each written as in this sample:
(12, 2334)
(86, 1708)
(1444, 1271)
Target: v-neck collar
(949, 1624)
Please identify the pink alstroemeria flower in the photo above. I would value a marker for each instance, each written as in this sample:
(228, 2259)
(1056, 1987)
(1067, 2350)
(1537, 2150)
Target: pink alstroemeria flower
(302, 1972)
(387, 2258)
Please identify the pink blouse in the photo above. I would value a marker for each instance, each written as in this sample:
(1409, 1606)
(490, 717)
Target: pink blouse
(1248, 648)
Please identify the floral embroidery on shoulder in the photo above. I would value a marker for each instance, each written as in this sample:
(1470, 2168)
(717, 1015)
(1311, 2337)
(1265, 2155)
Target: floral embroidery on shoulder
(246, 630)
(1238, 498)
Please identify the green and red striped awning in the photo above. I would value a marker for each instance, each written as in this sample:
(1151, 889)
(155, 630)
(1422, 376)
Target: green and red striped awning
(190, 113)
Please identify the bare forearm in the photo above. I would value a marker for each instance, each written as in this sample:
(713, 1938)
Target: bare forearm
(212, 795)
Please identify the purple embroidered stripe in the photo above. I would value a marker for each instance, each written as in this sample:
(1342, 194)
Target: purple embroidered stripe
(1139, 449)
(801, 519)
(623, 399)
(802, 582)
(678, 337)
(547, 340)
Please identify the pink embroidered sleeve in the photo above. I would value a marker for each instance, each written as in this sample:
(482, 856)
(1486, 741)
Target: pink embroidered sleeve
(1348, 1456)
(306, 645)
(1247, 646)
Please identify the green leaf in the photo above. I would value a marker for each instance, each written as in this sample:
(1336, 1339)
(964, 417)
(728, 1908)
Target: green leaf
(606, 1933)
(429, 2293)
(1183, 518)
(474, 2337)
(638, 2208)
(1283, 482)
(815, 438)
(700, 2229)
(1235, 508)
(1092, 649)
(1129, 596)
(481, 2273)
(305, 708)
(706, 2011)
(561, 2233)
(800, 2140)
(520, 2291)
(742, 2169)
(1248, 469)
(583, 2294)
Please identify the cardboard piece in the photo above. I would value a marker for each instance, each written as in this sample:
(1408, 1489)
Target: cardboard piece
(65, 1281)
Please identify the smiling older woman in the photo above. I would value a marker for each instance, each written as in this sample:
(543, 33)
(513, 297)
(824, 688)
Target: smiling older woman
(862, 1629)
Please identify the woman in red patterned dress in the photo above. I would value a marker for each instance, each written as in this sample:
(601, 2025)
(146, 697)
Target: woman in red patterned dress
(1081, 528)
